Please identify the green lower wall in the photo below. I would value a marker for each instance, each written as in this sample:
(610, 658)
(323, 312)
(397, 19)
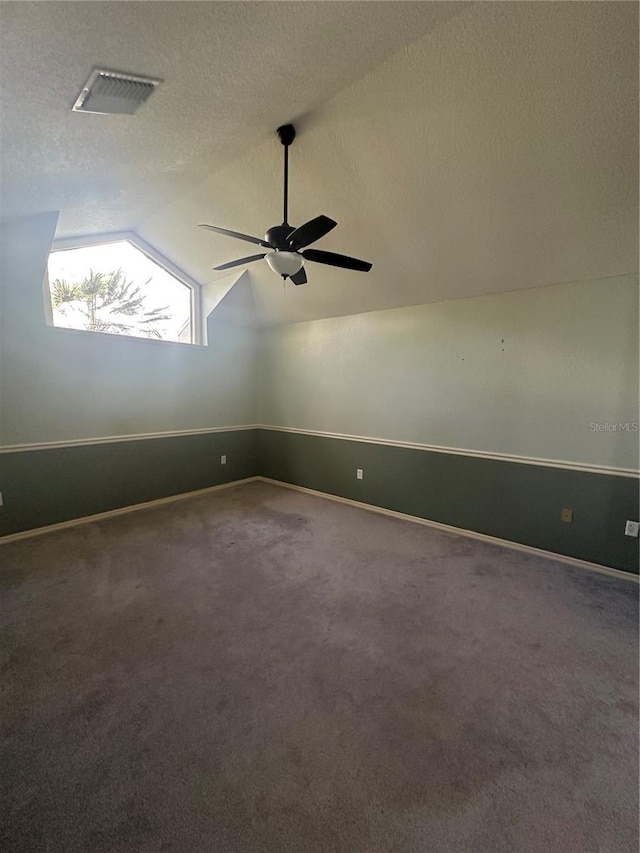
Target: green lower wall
(48, 486)
(513, 501)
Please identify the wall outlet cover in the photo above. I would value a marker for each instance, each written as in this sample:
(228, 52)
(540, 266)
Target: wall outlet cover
(223, 460)
(567, 515)
(631, 528)
(359, 474)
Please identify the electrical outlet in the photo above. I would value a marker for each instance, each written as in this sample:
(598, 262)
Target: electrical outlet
(631, 528)
(567, 515)
(223, 460)
(359, 474)
(1, 501)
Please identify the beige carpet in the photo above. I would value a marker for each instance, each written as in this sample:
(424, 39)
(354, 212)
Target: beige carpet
(262, 670)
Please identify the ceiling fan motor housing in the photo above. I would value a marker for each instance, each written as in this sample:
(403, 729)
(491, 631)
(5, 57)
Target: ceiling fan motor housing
(277, 236)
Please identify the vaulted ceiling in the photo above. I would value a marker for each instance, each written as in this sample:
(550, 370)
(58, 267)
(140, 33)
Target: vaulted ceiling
(463, 148)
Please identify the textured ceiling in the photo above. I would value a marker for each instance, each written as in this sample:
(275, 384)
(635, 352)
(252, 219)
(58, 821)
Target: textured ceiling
(462, 148)
(233, 72)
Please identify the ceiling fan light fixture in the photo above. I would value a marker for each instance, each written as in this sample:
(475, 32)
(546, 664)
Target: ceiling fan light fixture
(285, 263)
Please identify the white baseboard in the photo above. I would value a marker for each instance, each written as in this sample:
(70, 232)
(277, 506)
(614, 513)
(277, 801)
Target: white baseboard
(459, 531)
(112, 513)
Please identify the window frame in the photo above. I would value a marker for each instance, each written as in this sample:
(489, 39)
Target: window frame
(195, 288)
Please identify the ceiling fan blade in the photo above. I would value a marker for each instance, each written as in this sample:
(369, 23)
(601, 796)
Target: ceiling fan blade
(237, 235)
(311, 231)
(240, 262)
(335, 260)
(299, 277)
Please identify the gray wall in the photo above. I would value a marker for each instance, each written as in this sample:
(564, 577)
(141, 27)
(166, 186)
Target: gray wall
(522, 373)
(59, 384)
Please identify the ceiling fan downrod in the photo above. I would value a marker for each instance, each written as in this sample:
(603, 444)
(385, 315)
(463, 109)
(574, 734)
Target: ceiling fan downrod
(286, 134)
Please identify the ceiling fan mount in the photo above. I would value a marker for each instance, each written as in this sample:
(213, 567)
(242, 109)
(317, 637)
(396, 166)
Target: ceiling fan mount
(288, 243)
(286, 134)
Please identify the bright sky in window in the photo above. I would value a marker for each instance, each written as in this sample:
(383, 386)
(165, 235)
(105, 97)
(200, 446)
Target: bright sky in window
(107, 306)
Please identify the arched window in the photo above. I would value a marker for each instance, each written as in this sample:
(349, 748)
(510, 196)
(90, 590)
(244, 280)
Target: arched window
(120, 285)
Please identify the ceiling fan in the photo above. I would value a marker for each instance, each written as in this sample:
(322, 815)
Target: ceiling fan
(287, 244)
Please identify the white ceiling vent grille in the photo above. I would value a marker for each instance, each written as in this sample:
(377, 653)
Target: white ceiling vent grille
(114, 93)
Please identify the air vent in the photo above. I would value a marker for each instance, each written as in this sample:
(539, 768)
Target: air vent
(114, 93)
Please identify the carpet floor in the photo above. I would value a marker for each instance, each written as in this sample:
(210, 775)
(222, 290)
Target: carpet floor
(261, 671)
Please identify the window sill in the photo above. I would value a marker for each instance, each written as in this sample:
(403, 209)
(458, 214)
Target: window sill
(120, 338)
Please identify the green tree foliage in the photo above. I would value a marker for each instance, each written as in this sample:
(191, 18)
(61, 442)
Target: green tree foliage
(105, 300)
